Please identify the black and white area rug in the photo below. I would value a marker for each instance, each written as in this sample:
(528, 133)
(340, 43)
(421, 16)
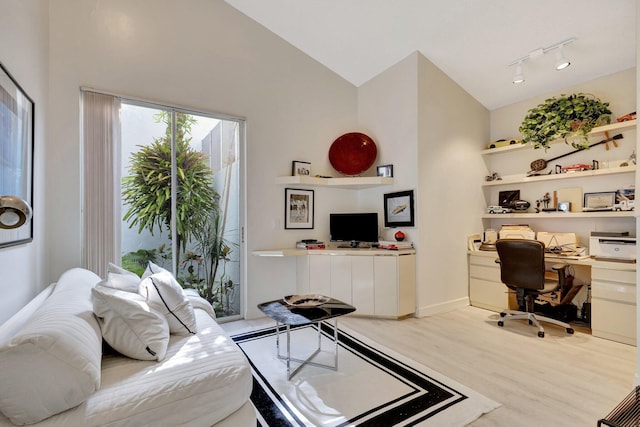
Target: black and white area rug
(373, 385)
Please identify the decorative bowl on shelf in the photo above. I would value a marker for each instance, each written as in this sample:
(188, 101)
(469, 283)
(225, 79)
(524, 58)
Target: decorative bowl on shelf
(353, 153)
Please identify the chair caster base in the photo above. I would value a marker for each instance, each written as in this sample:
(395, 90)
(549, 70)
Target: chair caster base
(503, 314)
(570, 330)
(541, 334)
(500, 323)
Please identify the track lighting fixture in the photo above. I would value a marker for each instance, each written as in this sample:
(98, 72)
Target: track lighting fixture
(561, 61)
(518, 77)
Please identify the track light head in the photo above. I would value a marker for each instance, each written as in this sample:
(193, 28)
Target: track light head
(518, 77)
(561, 61)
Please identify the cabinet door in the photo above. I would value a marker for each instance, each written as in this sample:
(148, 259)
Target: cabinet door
(406, 284)
(341, 278)
(386, 285)
(320, 274)
(362, 284)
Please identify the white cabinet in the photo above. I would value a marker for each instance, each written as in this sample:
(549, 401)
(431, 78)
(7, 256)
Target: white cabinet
(486, 290)
(378, 283)
(613, 302)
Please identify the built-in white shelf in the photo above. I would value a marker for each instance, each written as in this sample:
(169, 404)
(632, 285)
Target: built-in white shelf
(356, 182)
(561, 215)
(613, 127)
(520, 179)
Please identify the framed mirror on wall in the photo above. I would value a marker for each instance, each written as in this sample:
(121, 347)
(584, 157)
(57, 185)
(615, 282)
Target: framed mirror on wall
(16, 162)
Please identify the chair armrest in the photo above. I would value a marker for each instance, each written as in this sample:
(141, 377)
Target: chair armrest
(559, 267)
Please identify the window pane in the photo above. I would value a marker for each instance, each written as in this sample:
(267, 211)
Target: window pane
(207, 216)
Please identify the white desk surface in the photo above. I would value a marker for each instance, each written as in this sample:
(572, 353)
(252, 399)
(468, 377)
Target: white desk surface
(612, 265)
(331, 251)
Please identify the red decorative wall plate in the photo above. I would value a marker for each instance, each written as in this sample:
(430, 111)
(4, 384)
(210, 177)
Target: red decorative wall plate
(353, 153)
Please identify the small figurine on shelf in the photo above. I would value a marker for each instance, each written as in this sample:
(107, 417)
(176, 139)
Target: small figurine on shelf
(399, 236)
(493, 177)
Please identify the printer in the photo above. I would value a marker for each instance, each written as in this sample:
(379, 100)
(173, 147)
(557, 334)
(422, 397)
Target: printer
(613, 246)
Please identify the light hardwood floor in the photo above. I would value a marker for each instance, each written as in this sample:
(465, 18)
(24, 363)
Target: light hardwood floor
(558, 380)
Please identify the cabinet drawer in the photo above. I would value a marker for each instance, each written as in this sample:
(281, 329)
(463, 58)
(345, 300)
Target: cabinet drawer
(606, 275)
(483, 260)
(613, 320)
(487, 294)
(483, 272)
(621, 292)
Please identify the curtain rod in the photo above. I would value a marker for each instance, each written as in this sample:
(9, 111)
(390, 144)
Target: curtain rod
(163, 105)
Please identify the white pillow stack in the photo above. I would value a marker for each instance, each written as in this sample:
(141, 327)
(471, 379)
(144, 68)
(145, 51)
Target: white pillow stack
(137, 316)
(129, 325)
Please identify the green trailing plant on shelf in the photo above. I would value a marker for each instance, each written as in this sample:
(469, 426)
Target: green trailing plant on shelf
(565, 117)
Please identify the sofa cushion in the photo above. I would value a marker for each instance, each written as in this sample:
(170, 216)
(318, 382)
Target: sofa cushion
(129, 325)
(53, 362)
(164, 293)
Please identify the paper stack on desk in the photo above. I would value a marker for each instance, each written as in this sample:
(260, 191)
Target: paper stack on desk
(390, 244)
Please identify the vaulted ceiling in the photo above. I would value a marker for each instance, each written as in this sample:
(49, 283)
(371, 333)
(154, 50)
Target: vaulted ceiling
(473, 41)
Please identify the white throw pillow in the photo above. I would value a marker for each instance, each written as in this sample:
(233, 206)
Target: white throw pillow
(152, 269)
(119, 278)
(53, 362)
(129, 325)
(164, 293)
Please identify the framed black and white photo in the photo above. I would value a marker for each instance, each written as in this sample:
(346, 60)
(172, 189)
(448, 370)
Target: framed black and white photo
(385, 170)
(300, 168)
(16, 156)
(298, 209)
(398, 209)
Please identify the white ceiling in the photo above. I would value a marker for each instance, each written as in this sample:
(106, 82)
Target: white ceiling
(473, 41)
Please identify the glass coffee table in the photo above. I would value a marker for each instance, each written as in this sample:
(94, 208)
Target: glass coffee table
(297, 310)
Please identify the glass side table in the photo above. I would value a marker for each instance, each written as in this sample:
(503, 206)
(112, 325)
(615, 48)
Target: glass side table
(292, 315)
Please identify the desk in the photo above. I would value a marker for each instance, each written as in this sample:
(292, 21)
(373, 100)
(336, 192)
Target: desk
(613, 291)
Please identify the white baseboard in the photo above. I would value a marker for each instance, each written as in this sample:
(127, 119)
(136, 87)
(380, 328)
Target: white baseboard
(443, 307)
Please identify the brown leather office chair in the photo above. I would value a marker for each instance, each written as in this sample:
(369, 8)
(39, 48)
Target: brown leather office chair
(522, 269)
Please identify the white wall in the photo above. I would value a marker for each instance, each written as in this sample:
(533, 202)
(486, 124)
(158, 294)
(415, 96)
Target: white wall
(24, 53)
(452, 125)
(205, 55)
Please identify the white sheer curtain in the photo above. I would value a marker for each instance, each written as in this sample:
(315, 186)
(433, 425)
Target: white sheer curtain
(101, 160)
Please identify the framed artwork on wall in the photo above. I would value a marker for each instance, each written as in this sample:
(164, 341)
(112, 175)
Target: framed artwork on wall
(398, 209)
(16, 162)
(384, 170)
(298, 209)
(300, 168)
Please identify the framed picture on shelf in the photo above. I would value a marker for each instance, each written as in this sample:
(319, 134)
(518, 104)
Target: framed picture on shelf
(385, 170)
(300, 168)
(16, 160)
(398, 209)
(298, 209)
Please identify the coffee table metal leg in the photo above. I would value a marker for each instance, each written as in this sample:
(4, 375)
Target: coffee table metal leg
(307, 361)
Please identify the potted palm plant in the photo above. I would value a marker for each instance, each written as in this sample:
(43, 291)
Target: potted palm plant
(565, 117)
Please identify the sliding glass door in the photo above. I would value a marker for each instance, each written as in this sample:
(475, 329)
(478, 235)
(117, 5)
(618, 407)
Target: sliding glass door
(180, 198)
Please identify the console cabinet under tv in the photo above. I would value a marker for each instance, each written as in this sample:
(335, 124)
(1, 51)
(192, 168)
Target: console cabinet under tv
(377, 282)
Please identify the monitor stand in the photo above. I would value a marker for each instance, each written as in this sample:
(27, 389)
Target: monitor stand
(353, 245)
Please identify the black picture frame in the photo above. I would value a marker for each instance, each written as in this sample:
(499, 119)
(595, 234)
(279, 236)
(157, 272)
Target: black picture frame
(298, 209)
(384, 170)
(16, 152)
(399, 209)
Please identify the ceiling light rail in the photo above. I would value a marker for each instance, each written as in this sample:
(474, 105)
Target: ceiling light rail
(560, 64)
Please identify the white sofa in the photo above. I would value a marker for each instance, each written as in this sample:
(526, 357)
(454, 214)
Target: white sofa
(52, 366)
